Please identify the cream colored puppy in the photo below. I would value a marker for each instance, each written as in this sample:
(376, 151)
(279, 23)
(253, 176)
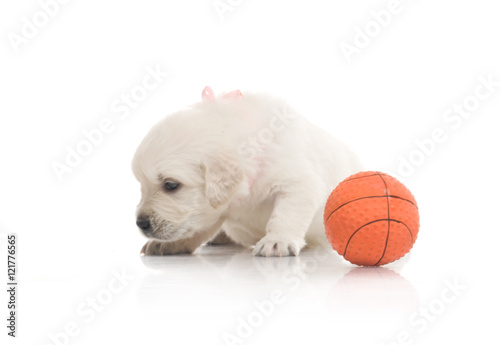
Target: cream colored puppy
(247, 164)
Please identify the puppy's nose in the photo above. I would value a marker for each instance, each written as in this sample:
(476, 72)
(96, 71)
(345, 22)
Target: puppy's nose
(143, 224)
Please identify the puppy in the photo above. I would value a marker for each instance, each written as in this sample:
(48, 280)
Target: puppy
(247, 164)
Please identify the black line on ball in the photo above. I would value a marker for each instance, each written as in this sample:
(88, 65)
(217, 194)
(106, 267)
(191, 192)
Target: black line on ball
(375, 221)
(388, 217)
(361, 227)
(368, 197)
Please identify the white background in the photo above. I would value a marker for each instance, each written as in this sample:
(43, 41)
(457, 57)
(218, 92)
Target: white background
(74, 232)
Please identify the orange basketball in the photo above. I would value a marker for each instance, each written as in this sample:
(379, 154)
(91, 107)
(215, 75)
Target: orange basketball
(371, 219)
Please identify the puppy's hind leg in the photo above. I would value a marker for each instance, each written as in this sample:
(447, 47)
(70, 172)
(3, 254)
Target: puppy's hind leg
(220, 239)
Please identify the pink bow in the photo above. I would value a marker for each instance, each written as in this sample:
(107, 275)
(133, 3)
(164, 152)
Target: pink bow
(208, 94)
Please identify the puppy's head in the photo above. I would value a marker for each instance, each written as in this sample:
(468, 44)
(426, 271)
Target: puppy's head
(187, 180)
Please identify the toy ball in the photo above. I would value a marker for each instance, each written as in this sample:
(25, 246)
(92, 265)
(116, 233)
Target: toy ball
(371, 219)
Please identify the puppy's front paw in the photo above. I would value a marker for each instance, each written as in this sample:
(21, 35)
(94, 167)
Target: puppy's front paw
(155, 247)
(278, 245)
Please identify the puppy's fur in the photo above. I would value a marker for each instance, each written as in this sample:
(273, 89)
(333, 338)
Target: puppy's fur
(250, 166)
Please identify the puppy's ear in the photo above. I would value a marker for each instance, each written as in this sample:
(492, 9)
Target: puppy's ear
(222, 175)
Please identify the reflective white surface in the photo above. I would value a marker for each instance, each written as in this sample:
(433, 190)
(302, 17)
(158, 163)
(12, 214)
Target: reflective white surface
(223, 295)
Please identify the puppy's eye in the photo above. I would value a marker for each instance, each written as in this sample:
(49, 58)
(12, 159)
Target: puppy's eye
(170, 185)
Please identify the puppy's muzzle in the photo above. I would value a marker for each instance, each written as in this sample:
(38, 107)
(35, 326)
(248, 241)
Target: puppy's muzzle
(144, 224)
